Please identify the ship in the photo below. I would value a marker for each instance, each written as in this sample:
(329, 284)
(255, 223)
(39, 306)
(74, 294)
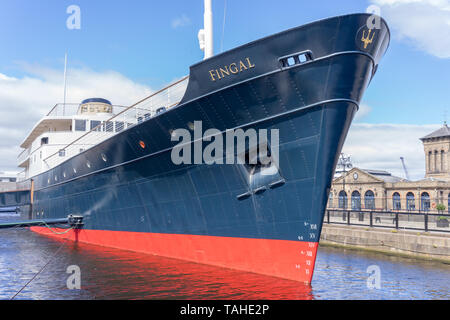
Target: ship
(117, 172)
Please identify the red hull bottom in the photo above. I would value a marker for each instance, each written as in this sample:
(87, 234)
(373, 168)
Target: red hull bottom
(293, 260)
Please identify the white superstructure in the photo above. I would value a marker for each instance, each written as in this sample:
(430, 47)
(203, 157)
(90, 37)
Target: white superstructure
(69, 129)
(60, 127)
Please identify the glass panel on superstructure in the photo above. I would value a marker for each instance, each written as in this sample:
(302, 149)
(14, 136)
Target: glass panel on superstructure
(80, 125)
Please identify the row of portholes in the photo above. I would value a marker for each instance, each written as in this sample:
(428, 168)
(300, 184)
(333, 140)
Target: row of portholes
(89, 165)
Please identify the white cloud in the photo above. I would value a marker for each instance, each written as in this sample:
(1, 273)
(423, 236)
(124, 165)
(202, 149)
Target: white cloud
(182, 21)
(363, 111)
(426, 23)
(23, 101)
(380, 146)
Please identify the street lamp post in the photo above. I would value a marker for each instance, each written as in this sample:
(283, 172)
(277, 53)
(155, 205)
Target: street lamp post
(344, 163)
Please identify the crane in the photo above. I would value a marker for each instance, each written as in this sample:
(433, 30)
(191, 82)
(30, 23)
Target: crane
(404, 167)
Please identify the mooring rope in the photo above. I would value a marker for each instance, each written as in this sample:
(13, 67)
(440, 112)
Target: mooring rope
(50, 260)
(40, 271)
(57, 233)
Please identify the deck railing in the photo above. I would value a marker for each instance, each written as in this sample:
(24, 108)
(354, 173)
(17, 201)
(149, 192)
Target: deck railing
(143, 110)
(389, 219)
(416, 201)
(23, 155)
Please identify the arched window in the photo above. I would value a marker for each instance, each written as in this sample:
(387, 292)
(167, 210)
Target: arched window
(410, 202)
(448, 203)
(442, 160)
(369, 200)
(356, 200)
(425, 202)
(342, 200)
(396, 204)
(330, 200)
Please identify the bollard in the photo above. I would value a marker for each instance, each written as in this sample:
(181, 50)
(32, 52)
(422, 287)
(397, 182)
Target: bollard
(396, 220)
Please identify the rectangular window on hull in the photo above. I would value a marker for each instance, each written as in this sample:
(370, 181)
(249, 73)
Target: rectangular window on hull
(296, 59)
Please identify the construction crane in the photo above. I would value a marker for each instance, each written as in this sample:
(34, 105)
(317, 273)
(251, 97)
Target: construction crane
(404, 167)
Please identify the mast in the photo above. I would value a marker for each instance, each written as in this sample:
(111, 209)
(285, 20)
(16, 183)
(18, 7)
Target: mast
(65, 83)
(205, 35)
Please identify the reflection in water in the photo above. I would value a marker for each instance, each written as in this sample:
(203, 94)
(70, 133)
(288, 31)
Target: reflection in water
(129, 275)
(115, 274)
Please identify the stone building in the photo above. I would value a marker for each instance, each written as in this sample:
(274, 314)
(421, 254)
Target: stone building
(436, 146)
(363, 189)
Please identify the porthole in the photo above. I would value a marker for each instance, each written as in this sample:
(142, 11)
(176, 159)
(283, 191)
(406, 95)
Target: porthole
(74, 170)
(142, 144)
(88, 164)
(56, 178)
(64, 174)
(191, 126)
(104, 157)
(290, 61)
(48, 180)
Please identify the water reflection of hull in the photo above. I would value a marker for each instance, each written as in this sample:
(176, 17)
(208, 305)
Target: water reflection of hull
(223, 214)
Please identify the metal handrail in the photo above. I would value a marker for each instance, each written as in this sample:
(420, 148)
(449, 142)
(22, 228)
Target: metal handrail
(424, 225)
(24, 150)
(392, 212)
(120, 113)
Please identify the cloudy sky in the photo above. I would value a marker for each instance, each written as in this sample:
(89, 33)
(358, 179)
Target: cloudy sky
(126, 49)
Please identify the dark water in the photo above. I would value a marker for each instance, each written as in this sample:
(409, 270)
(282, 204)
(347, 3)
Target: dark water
(114, 274)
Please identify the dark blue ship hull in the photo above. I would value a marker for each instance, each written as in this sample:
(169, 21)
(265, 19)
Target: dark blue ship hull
(140, 200)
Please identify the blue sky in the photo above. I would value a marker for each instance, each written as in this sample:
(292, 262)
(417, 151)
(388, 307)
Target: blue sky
(136, 38)
(142, 45)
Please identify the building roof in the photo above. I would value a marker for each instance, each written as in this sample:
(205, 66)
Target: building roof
(383, 175)
(377, 172)
(444, 131)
